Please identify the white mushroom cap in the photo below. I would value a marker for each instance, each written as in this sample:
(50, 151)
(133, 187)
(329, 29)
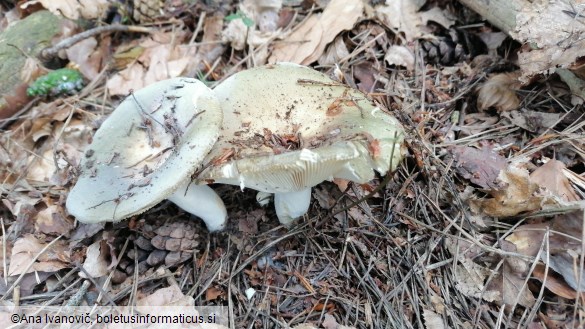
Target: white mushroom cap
(150, 145)
(336, 132)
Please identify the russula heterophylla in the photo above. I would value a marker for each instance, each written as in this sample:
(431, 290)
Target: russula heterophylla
(146, 151)
(288, 127)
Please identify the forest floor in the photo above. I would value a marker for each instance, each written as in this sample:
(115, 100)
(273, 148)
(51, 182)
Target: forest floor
(480, 226)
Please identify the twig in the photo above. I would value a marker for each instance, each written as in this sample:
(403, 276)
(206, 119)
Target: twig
(49, 53)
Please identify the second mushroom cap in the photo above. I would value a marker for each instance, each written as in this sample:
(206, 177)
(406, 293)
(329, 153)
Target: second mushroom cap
(288, 127)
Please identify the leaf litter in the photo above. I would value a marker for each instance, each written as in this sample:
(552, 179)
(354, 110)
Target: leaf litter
(476, 227)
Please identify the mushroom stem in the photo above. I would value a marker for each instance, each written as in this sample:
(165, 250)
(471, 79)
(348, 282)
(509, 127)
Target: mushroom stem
(292, 205)
(203, 202)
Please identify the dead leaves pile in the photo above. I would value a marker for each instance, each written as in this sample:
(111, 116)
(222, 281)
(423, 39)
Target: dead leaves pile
(549, 251)
(40, 153)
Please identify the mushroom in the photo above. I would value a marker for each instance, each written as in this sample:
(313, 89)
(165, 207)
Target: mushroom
(146, 151)
(288, 127)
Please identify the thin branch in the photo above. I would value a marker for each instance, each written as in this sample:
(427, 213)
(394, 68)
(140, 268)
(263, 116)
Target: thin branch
(51, 52)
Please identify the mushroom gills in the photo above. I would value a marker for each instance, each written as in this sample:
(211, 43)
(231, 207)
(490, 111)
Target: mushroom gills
(203, 202)
(292, 205)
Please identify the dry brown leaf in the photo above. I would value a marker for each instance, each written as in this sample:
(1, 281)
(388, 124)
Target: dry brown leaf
(249, 223)
(481, 167)
(210, 49)
(564, 244)
(553, 283)
(334, 52)
(566, 263)
(73, 9)
(493, 40)
(510, 288)
(42, 167)
(432, 320)
(499, 91)
(52, 220)
(212, 293)
(330, 323)
(305, 326)
(162, 59)
(170, 296)
(400, 56)
(528, 238)
(87, 57)
(368, 82)
(516, 194)
(533, 121)
(25, 249)
(470, 278)
(306, 44)
(402, 16)
(551, 176)
(98, 260)
(437, 15)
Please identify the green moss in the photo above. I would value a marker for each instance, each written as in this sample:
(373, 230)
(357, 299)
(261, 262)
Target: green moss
(58, 82)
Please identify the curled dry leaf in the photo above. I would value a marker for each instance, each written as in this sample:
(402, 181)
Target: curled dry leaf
(74, 9)
(170, 296)
(53, 221)
(551, 176)
(432, 320)
(438, 15)
(533, 121)
(516, 194)
(98, 260)
(409, 21)
(511, 288)
(563, 235)
(331, 323)
(481, 167)
(400, 56)
(25, 250)
(307, 43)
(87, 57)
(499, 91)
(334, 52)
(553, 282)
(161, 59)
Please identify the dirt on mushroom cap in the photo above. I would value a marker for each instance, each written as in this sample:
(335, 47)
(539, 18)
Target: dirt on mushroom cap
(287, 122)
(151, 143)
